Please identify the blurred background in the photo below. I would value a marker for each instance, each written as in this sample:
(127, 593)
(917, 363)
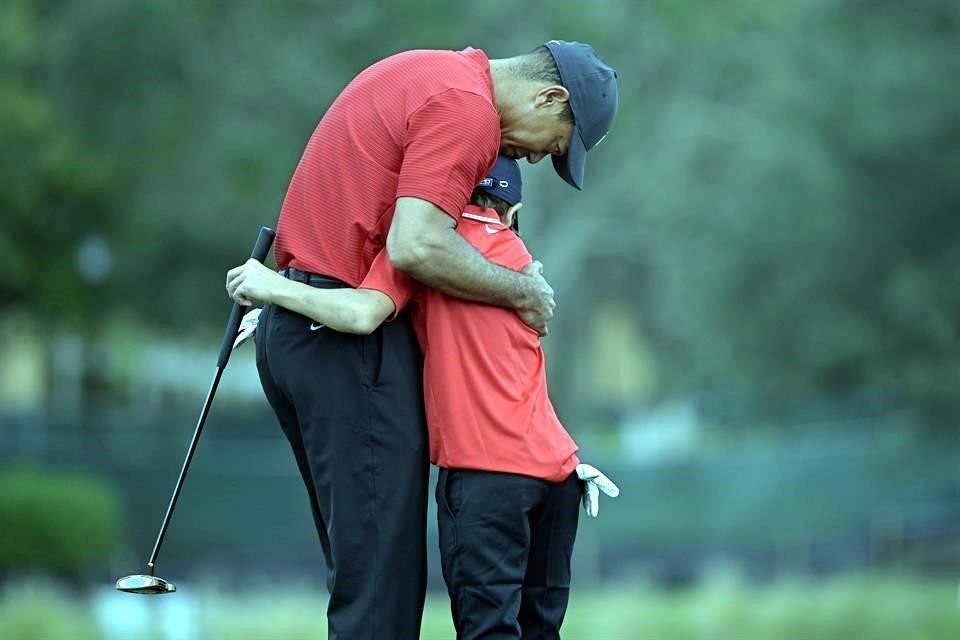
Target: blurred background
(757, 334)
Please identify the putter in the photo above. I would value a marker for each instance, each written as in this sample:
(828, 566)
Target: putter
(147, 583)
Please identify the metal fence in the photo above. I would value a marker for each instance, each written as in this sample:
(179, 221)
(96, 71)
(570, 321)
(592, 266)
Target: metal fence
(809, 501)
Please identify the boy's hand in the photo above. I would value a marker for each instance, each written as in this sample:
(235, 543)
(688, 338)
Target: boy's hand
(248, 327)
(252, 283)
(595, 482)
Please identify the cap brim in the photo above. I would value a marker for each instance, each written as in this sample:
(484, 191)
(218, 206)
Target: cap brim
(570, 166)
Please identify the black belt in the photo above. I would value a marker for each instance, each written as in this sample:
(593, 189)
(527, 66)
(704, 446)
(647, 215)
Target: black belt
(313, 279)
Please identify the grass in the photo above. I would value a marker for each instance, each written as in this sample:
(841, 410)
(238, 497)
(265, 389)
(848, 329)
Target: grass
(722, 608)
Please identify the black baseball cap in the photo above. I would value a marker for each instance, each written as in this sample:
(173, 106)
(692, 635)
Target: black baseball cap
(594, 95)
(503, 180)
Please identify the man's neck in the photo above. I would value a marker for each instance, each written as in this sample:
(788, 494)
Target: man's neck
(506, 85)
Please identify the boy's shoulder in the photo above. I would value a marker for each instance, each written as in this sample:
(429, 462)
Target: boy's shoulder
(497, 242)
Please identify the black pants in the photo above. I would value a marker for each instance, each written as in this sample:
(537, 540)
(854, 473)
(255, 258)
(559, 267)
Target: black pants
(505, 544)
(352, 409)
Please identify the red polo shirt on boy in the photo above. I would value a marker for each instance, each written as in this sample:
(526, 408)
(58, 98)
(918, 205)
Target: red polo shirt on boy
(421, 124)
(485, 381)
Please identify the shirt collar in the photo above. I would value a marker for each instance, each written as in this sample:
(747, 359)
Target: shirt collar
(473, 212)
(482, 62)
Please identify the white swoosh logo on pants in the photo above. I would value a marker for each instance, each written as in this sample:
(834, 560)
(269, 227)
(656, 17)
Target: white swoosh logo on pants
(491, 229)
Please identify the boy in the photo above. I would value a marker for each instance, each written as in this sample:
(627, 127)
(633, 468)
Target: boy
(509, 482)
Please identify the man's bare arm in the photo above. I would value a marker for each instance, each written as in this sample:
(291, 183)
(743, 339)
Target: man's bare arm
(424, 243)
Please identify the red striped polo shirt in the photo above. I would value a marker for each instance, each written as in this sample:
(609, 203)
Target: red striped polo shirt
(484, 371)
(421, 124)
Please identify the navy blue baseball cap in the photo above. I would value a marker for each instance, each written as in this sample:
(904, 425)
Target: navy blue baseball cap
(594, 95)
(503, 180)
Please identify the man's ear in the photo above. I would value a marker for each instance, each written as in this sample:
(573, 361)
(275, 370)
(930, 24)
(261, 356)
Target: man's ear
(549, 96)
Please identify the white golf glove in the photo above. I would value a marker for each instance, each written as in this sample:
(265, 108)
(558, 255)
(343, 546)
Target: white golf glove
(594, 482)
(248, 326)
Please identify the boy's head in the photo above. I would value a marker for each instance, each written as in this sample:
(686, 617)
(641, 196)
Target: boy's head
(501, 190)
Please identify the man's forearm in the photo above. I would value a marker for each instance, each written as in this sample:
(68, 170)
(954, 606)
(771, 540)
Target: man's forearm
(455, 267)
(423, 243)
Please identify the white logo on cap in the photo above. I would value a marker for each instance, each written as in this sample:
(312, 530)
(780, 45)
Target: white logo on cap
(504, 184)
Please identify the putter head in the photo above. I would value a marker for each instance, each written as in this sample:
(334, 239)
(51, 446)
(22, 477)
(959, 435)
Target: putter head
(147, 585)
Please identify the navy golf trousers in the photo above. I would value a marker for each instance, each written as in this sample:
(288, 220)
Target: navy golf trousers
(506, 542)
(352, 408)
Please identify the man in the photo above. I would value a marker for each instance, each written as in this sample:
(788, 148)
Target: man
(391, 164)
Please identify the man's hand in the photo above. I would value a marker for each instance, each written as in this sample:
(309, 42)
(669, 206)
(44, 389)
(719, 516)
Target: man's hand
(594, 482)
(253, 284)
(537, 310)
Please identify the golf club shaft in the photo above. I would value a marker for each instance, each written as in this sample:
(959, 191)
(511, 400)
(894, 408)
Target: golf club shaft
(260, 249)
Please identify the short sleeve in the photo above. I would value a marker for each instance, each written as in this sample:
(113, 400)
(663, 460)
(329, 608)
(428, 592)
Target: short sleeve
(451, 143)
(385, 278)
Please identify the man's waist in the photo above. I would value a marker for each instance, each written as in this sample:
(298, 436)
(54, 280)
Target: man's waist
(318, 280)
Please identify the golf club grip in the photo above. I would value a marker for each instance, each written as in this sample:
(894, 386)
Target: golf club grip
(264, 242)
(260, 250)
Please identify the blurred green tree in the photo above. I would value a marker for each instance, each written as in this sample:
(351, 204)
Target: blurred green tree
(55, 183)
(775, 203)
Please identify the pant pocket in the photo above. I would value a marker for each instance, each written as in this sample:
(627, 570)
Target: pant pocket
(373, 356)
(260, 338)
(449, 491)
(454, 491)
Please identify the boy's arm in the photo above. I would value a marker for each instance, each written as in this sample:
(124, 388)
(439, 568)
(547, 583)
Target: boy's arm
(346, 310)
(385, 279)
